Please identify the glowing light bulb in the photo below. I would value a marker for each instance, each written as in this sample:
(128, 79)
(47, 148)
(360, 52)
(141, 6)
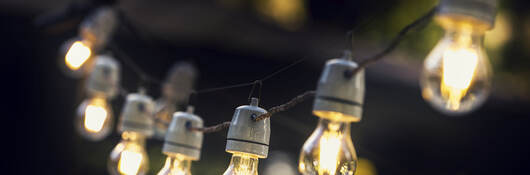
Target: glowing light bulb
(77, 55)
(129, 156)
(94, 119)
(176, 164)
(329, 150)
(456, 74)
(242, 164)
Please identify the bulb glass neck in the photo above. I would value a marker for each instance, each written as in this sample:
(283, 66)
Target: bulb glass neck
(242, 163)
(176, 164)
(464, 38)
(130, 136)
(328, 125)
(462, 23)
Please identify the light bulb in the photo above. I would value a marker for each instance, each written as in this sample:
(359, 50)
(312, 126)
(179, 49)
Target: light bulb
(456, 74)
(247, 140)
(242, 164)
(75, 58)
(77, 55)
(182, 145)
(329, 150)
(129, 156)
(94, 119)
(176, 164)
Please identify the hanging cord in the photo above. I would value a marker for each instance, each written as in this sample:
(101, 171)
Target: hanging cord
(422, 21)
(258, 83)
(226, 124)
(211, 129)
(144, 77)
(75, 10)
(306, 95)
(283, 107)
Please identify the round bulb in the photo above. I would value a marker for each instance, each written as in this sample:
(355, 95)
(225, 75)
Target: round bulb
(94, 119)
(456, 74)
(129, 156)
(242, 164)
(176, 164)
(329, 150)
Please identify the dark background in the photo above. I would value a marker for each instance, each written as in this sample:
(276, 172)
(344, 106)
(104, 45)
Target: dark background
(400, 133)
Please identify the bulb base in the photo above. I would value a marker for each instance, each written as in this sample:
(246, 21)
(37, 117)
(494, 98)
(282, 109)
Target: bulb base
(137, 115)
(479, 12)
(246, 135)
(104, 78)
(180, 139)
(179, 82)
(340, 97)
(99, 26)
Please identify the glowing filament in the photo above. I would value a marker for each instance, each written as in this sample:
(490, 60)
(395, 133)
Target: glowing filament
(458, 69)
(176, 165)
(95, 117)
(77, 55)
(242, 164)
(329, 152)
(129, 162)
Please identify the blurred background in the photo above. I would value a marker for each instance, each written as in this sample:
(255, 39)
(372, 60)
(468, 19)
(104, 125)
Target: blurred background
(237, 41)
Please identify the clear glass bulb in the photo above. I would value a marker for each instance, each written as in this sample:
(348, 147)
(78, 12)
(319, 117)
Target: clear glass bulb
(77, 55)
(456, 74)
(94, 119)
(129, 156)
(242, 164)
(329, 150)
(176, 164)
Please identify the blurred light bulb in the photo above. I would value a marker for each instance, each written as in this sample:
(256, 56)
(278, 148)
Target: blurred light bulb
(94, 119)
(77, 55)
(129, 156)
(329, 150)
(176, 164)
(279, 162)
(242, 164)
(456, 74)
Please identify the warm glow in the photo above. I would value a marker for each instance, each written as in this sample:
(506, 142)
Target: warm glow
(366, 167)
(77, 55)
(329, 152)
(129, 162)
(290, 14)
(95, 117)
(459, 66)
(501, 33)
(176, 165)
(242, 164)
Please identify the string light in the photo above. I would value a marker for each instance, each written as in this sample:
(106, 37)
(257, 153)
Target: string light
(182, 145)
(94, 33)
(247, 140)
(329, 150)
(455, 80)
(457, 74)
(94, 116)
(129, 156)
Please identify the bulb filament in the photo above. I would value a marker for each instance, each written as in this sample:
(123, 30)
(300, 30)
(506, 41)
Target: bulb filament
(77, 55)
(459, 64)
